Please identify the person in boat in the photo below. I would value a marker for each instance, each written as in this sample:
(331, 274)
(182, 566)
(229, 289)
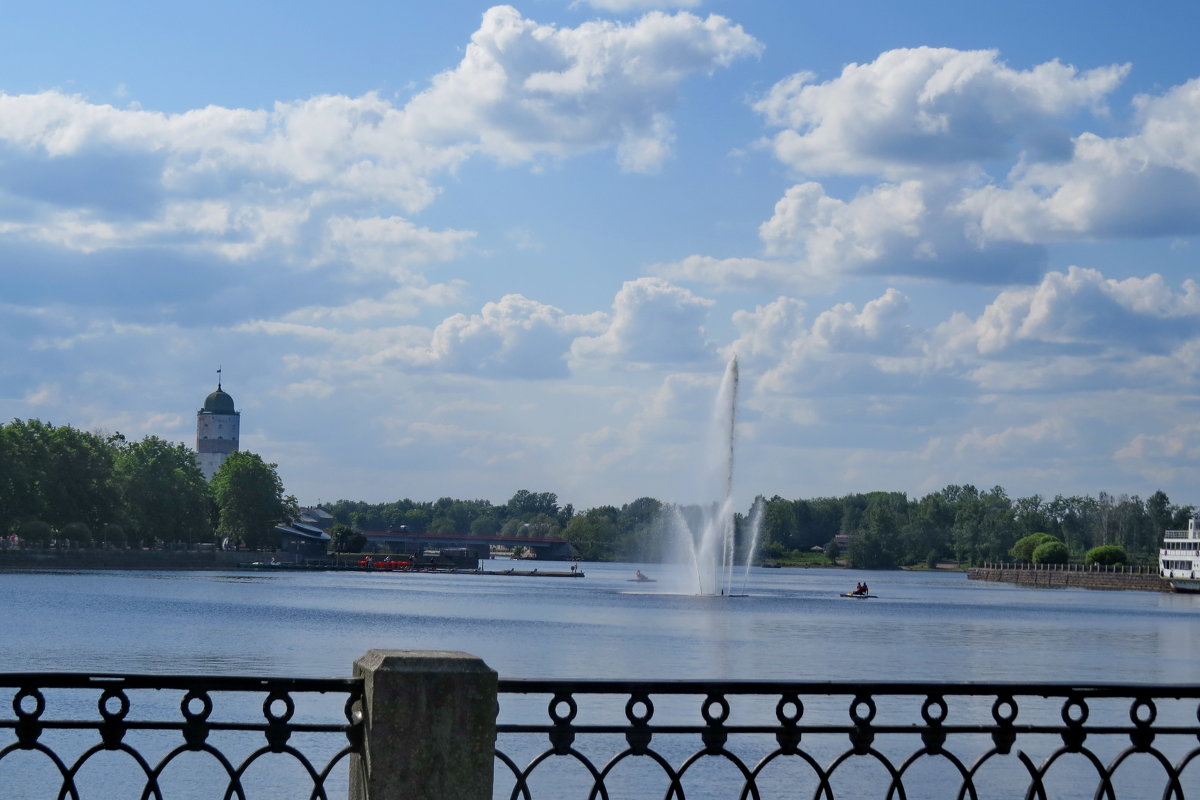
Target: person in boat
(859, 588)
(865, 590)
(639, 576)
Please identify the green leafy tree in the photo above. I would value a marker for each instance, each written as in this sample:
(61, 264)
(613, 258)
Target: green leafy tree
(1032, 514)
(417, 520)
(984, 525)
(1179, 519)
(928, 530)
(344, 539)
(543, 526)
(780, 525)
(57, 474)
(874, 543)
(1054, 552)
(112, 535)
(1159, 509)
(79, 486)
(642, 531)
(595, 533)
(869, 549)
(163, 492)
(250, 500)
(1106, 555)
(526, 504)
(76, 534)
(35, 533)
(1023, 549)
(486, 525)
(24, 468)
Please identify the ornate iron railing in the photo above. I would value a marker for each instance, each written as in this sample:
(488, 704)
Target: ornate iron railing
(160, 737)
(145, 734)
(827, 740)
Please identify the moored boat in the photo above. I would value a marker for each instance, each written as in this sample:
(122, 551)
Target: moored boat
(1179, 558)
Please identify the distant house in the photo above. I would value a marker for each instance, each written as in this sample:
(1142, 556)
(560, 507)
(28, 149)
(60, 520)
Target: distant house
(301, 541)
(317, 517)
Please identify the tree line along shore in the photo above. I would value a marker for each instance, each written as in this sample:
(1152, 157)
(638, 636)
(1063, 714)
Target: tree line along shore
(61, 487)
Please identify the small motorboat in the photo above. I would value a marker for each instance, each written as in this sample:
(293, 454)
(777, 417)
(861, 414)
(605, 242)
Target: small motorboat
(857, 595)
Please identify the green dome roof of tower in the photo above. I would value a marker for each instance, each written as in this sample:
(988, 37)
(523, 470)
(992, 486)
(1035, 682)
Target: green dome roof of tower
(219, 403)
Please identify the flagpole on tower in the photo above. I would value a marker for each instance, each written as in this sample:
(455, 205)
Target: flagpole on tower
(218, 379)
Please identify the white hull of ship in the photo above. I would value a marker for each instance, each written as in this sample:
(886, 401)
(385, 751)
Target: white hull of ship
(1184, 584)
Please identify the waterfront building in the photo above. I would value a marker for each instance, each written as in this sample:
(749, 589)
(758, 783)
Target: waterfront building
(217, 429)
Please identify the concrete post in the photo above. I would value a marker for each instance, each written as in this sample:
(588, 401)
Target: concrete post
(430, 726)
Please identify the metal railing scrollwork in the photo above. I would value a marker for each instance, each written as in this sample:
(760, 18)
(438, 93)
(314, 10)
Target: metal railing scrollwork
(65, 726)
(424, 725)
(682, 739)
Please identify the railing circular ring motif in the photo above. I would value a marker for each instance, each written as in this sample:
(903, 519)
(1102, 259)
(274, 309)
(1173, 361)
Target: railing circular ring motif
(857, 713)
(18, 703)
(631, 709)
(122, 709)
(934, 710)
(1143, 712)
(789, 710)
(1075, 712)
(572, 709)
(206, 706)
(1004, 710)
(722, 706)
(289, 706)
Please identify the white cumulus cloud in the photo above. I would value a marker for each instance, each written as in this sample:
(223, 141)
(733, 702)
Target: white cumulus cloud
(925, 107)
(653, 322)
(513, 337)
(1145, 184)
(524, 89)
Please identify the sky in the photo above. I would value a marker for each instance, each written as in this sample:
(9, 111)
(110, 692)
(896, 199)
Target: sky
(458, 250)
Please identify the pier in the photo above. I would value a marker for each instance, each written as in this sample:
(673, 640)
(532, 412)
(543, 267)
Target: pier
(1063, 576)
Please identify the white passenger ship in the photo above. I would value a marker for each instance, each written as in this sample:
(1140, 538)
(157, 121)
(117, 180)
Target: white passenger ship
(1179, 558)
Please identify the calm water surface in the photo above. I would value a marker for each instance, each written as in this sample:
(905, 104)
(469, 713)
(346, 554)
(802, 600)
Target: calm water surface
(791, 625)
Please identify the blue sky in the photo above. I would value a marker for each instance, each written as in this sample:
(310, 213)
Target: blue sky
(459, 250)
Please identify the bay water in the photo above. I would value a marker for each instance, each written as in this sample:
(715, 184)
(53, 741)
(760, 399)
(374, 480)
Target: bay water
(791, 624)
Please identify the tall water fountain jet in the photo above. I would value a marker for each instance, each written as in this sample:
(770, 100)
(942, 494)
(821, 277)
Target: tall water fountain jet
(708, 533)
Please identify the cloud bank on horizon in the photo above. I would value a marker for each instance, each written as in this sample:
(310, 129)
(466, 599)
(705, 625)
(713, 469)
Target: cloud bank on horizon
(935, 264)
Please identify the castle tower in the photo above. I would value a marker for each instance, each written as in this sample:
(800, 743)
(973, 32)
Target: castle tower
(217, 426)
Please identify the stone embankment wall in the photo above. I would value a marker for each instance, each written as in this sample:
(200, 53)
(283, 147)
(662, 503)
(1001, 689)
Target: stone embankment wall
(122, 559)
(1081, 577)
